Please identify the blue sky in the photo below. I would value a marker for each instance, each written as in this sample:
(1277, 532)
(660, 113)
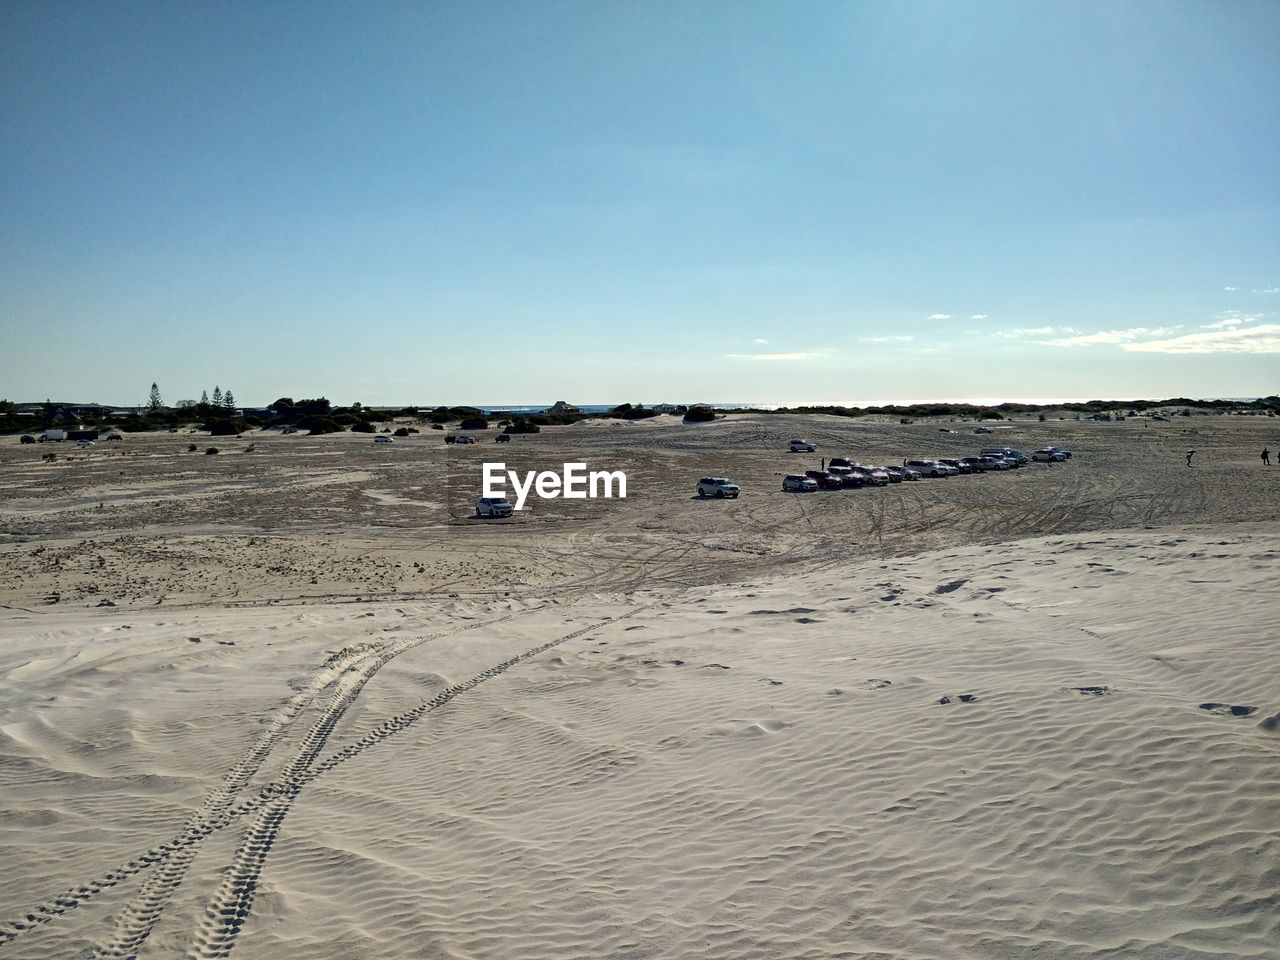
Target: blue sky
(521, 202)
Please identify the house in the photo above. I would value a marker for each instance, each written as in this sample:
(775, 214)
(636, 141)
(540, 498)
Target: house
(664, 407)
(560, 408)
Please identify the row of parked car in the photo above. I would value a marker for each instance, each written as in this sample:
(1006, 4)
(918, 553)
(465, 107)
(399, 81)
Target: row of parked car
(842, 472)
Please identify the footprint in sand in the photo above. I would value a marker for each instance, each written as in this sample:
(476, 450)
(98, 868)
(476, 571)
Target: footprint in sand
(1228, 710)
(960, 698)
(1098, 691)
(875, 684)
(772, 682)
(950, 586)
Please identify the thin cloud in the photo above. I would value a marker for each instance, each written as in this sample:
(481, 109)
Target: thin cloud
(1033, 332)
(980, 316)
(1268, 290)
(1112, 336)
(1264, 338)
(1222, 324)
(759, 340)
(939, 316)
(902, 339)
(775, 357)
(1230, 289)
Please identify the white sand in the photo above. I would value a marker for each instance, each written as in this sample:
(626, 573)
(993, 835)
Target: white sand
(761, 769)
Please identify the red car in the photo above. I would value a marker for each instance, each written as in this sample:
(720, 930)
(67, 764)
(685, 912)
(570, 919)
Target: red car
(824, 480)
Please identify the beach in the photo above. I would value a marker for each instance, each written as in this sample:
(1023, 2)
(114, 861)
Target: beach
(297, 701)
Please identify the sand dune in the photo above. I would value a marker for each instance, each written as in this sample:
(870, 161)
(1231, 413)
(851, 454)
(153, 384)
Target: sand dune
(1054, 748)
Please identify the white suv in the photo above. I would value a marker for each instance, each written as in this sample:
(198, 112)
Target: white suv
(803, 446)
(493, 507)
(717, 487)
(929, 468)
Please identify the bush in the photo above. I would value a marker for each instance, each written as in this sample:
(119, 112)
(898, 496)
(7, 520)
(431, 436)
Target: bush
(523, 425)
(404, 431)
(210, 450)
(474, 423)
(317, 425)
(226, 428)
(700, 415)
(437, 426)
(362, 426)
(191, 448)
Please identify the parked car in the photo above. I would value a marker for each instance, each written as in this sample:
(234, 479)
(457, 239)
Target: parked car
(893, 473)
(798, 484)
(960, 465)
(84, 443)
(493, 507)
(841, 462)
(908, 473)
(502, 438)
(982, 430)
(927, 468)
(802, 446)
(876, 476)
(825, 480)
(1048, 455)
(717, 487)
(465, 439)
(1017, 456)
(848, 476)
(978, 464)
(997, 463)
(382, 438)
(27, 438)
(1066, 454)
(114, 436)
(905, 420)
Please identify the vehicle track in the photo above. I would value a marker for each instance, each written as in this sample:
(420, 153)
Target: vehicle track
(216, 933)
(136, 920)
(229, 909)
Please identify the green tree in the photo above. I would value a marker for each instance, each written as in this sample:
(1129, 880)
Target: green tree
(229, 401)
(217, 396)
(154, 403)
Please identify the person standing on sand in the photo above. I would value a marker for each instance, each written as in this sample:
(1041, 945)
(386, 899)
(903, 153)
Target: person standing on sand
(1190, 454)
(1266, 457)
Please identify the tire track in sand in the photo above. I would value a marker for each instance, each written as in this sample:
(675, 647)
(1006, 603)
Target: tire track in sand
(228, 911)
(136, 920)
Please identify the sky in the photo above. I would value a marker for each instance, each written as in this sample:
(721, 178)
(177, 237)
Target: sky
(514, 203)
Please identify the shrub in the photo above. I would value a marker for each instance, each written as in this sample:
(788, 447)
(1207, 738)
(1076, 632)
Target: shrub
(474, 423)
(404, 432)
(191, 448)
(226, 428)
(523, 425)
(437, 426)
(700, 415)
(210, 450)
(362, 426)
(316, 425)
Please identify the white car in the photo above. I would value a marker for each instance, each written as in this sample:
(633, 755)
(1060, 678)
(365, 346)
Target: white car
(1048, 455)
(494, 507)
(466, 439)
(382, 439)
(927, 468)
(1065, 454)
(802, 446)
(717, 487)
(798, 483)
(84, 443)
